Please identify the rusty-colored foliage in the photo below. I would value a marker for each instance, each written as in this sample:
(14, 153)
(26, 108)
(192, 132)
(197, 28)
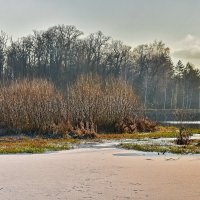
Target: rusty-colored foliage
(102, 101)
(182, 137)
(84, 130)
(135, 124)
(31, 106)
(36, 106)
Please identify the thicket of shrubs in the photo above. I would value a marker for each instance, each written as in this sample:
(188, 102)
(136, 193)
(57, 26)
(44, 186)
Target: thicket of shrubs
(89, 104)
(103, 102)
(31, 106)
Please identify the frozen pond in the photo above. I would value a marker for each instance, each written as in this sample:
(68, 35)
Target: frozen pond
(113, 144)
(182, 122)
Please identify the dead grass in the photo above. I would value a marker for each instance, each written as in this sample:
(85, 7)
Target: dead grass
(39, 145)
(31, 106)
(161, 132)
(36, 106)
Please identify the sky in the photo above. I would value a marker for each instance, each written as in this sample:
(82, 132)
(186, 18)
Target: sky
(175, 22)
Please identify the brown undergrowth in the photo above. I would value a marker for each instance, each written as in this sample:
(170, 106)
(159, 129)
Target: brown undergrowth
(37, 107)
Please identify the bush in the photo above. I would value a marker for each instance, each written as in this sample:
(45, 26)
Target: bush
(36, 106)
(31, 106)
(102, 102)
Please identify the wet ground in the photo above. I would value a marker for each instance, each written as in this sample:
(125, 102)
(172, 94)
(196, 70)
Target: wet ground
(113, 144)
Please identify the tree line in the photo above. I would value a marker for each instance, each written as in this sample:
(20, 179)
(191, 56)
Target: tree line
(62, 54)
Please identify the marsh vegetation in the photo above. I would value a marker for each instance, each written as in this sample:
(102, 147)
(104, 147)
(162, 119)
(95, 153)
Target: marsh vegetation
(59, 84)
(192, 148)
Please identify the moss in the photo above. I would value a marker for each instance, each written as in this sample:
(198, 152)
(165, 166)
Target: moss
(26, 145)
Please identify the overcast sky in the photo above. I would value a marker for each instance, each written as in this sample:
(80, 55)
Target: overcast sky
(176, 22)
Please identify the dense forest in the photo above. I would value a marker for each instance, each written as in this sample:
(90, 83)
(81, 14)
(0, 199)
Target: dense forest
(62, 54)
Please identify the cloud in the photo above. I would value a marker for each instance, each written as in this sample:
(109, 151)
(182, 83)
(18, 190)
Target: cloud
(192, 53)
(188, 48)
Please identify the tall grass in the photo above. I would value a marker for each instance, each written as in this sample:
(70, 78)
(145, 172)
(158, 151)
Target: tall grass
(103, 102)
(33, 106)
(37, 106)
